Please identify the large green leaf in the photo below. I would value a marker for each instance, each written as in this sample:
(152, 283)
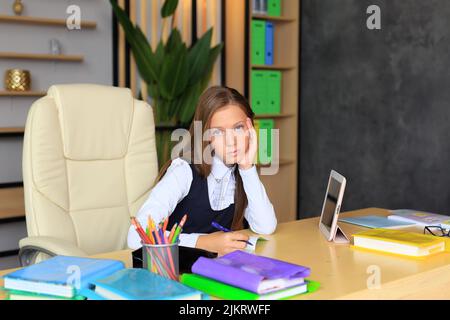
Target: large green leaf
(198, 57)
(174, 42)
(187, 110)
(169, 8)
(147, 52)
(140, 47)
(174, 74)
(213, 55)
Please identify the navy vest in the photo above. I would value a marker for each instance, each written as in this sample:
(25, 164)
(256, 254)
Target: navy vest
(198, 208)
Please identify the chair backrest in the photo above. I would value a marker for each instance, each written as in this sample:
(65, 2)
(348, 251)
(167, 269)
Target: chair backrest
(89, 162)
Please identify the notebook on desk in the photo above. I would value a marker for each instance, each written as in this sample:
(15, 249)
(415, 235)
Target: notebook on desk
(61, 276)
(140, 284)
(376, 222)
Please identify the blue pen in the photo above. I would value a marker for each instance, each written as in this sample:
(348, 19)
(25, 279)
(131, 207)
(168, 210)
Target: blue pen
(221, 228)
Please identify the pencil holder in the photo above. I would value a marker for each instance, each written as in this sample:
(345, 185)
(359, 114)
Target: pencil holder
(161, 259)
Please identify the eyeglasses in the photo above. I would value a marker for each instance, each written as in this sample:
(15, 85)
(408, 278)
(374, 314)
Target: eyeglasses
(437, 231)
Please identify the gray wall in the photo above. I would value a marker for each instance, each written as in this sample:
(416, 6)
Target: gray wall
(94, 44)
(375, 105)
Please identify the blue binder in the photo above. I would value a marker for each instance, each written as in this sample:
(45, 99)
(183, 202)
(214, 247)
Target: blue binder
(269, 43)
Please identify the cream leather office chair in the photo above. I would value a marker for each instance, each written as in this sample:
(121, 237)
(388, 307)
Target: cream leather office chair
(89, 162)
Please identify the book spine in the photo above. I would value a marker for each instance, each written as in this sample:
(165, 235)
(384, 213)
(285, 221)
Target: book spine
(269, 43)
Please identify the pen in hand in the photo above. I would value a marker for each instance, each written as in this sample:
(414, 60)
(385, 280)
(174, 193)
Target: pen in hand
(221, 228)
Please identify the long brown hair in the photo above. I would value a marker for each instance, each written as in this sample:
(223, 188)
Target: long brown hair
(210, 101)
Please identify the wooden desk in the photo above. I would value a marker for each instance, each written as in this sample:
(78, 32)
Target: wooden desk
(343, 271)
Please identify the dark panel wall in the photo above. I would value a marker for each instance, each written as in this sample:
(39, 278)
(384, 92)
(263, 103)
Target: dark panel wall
(375, 105)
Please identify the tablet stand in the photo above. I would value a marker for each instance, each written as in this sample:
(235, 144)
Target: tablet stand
(339, 236)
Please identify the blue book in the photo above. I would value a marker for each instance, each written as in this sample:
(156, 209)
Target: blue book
(141, 284)
(61, 275)
(376, 222)
(269, 43)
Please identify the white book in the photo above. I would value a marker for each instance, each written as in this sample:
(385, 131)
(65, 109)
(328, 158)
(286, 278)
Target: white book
(419, 218)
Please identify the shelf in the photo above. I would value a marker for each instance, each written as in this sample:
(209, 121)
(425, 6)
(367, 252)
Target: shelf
(273, 67)
(273, 19)
(282, 185)
(11, 203)
(38, 56)
(44, 21)
(22, 93)
(283, 162)
(273, 116)
(12, 130)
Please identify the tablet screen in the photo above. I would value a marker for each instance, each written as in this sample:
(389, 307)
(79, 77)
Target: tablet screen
(331, 202)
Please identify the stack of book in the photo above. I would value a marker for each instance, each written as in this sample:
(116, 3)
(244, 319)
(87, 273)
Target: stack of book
(399, 242)
(262, 42)
(266, 92)
(59, 278)
(244, 276)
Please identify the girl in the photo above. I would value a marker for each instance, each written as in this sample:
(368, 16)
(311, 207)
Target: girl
(226, 190)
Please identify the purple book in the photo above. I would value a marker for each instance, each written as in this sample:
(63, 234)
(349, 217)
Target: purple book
(251, 272)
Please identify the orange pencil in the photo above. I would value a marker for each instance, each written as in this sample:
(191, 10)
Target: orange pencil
(166, 222)
(172, 232)
(150, 231)
(183, 221)
(140, 231)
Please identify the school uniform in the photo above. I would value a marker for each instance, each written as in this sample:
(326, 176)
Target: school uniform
(183, 191)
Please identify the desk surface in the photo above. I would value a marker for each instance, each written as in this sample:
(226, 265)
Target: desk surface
(344, 272)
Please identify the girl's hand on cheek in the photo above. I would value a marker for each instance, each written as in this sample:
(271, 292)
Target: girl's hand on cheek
(249, 158)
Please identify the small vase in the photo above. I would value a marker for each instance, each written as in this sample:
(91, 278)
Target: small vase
(18, 7)
(17, 80)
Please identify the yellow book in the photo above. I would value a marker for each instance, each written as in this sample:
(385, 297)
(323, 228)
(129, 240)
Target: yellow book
(399, 242)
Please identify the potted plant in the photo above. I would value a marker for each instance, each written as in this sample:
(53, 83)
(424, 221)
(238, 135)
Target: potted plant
(175, 74)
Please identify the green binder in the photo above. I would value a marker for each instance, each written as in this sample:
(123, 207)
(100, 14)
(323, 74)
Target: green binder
(258, 42)
(265, 127)
(274, 8)
(259, 92)
(273, 104)
(224, 291)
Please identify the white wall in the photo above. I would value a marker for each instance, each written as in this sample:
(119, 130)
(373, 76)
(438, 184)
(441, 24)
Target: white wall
(94, 44)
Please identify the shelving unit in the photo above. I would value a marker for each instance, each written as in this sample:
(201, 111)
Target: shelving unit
(12, 131)
(41, 21)
(12, 203)
(273, 19)
(22, 93)
(274, 116)
(40, 56)
(282, 187)
(273, 67)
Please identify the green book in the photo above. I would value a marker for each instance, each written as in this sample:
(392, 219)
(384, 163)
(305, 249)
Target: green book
(265, 127)
(273, 104)
(258, 42)
(224, 291)
(274, 8)
(259, 91)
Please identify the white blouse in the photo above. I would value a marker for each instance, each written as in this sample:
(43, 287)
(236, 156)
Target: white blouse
(176, 183)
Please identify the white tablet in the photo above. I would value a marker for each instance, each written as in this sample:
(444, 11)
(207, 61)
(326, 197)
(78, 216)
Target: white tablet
(331, 207)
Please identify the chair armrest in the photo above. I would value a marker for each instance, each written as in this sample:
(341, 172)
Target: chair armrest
(30, 247)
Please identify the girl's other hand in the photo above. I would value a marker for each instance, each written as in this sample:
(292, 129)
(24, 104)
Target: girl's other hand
(250, 155)
(222, 242)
